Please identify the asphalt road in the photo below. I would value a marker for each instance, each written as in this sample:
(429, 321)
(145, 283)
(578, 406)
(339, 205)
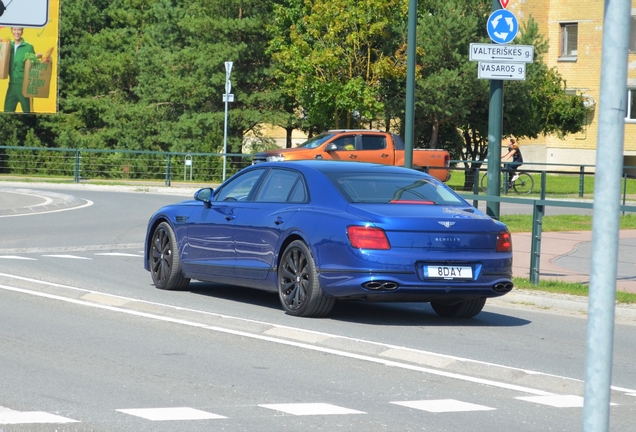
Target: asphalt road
(86, 337)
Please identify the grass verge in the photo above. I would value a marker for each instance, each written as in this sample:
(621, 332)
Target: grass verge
(523, 223)
(577, 289)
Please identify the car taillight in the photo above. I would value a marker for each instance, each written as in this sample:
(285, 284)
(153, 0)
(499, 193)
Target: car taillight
(362, 237)
(504, 242)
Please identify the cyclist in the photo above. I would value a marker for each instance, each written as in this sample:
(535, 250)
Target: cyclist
(517, 160)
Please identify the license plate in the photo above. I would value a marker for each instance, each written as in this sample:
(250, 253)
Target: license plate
(448, 272)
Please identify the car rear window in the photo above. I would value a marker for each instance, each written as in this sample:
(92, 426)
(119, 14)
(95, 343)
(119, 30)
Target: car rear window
(397, 189)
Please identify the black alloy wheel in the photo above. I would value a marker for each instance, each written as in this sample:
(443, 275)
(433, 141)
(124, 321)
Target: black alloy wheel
(298, 285)
(164, 263)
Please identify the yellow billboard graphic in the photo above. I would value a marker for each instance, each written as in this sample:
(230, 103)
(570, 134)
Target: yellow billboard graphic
(29, 59)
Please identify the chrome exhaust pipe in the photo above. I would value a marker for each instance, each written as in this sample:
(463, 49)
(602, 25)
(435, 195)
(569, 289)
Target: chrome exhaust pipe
(379, 285)
(503, 287)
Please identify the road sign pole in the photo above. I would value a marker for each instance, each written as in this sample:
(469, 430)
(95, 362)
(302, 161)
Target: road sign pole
(228, 88)
(606, 217)
(409, 119)
(495, 122)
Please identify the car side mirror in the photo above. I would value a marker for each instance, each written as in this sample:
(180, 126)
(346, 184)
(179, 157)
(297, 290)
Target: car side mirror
(204, 195)
(331, 147)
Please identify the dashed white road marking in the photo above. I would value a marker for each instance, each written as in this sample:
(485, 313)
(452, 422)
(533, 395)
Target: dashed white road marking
(67, 256)
(17, 257)
(174, 413)
(31, 417)
(560, 401)
(443, 405)
(119, 254)
(304, 409)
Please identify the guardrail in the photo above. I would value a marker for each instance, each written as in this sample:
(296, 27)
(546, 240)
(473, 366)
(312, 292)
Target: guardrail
(101, 164)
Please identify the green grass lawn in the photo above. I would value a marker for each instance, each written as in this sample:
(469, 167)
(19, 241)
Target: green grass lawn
(523, 223)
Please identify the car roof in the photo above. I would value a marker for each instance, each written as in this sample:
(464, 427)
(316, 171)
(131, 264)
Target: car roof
(328, 166)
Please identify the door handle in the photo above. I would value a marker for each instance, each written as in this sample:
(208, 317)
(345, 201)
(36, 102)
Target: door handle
(279, 220)
(352, 156)
(230, 217)
(384, 155)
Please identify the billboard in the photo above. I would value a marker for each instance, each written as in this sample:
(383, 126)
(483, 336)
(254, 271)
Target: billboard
(29, 38)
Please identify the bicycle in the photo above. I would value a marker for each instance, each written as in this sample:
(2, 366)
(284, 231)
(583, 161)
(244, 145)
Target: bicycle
(523, 185)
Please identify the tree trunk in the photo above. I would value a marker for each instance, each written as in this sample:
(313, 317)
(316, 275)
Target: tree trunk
(288, 136)
(432, 144)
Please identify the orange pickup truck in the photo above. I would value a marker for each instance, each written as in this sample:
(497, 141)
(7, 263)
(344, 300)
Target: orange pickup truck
(361, 146)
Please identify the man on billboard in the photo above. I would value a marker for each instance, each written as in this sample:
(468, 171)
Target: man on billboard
(19, 49)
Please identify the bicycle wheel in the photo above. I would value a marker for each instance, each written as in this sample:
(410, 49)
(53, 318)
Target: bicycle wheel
(524, 184)
(483, 184)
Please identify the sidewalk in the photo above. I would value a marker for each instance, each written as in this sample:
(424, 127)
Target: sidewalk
(565, 256)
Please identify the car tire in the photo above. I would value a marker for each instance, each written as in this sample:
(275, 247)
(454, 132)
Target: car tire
(465, 309)
(298, 286)
(163, 259)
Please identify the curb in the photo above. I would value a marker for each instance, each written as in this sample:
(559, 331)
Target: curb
(574, 305)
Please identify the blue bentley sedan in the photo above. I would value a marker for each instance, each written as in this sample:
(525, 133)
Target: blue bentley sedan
(320, 231)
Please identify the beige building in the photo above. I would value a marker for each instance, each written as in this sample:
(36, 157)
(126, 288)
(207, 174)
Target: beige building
(574, 29)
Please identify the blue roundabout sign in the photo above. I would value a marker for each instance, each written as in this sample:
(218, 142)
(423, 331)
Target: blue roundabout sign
(502, 26)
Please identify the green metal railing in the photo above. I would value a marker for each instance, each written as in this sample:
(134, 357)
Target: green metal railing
(577, 181)
(97, 164)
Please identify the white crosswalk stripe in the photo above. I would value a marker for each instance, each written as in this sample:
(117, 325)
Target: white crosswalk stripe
(558, 401)
(443, 405)
(302, 409)
(11, 417)
(173, 413)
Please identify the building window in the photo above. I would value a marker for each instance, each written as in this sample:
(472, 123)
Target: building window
(630, 113)
(569, 40)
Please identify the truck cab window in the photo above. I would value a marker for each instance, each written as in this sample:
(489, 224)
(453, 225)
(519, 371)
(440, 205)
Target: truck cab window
(373, 143)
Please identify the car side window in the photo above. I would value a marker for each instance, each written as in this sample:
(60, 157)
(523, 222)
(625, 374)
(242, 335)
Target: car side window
(239, 188)
(299, 192)
(373, 142)
(346, 143)
(282, 186)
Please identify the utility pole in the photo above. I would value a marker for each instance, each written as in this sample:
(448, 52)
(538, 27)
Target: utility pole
(409, 123)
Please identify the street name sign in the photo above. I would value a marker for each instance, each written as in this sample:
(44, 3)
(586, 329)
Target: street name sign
(503, 53)
(501, 71)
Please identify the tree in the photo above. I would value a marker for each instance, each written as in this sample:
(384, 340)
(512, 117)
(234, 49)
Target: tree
(333, 57)
(447, 84)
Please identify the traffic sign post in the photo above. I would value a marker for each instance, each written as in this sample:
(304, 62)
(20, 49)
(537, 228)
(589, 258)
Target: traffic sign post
(227, 97)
